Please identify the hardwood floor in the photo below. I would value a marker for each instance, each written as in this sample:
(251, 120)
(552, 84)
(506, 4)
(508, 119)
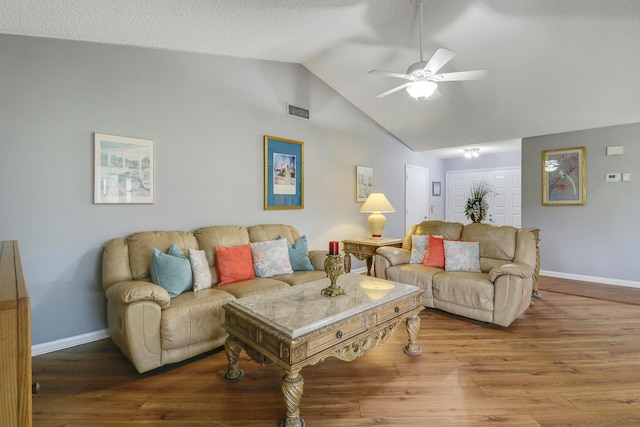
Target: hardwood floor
(568, 361)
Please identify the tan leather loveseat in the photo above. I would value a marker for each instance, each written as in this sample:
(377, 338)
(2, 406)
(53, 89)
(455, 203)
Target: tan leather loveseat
(153, 329)
(498, 294)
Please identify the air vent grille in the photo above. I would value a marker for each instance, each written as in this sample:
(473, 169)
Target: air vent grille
(297, 112)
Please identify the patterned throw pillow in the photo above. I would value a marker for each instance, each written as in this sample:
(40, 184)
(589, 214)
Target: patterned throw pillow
(270, 258)
(200, 267)
(172, 271)
(299, 254)
(419, 245)
(234, 264)
(462, 256)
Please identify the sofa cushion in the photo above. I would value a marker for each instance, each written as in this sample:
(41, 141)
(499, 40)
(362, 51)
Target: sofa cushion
(299, 254)
(435, 252)
(172, 271)
(495, 242)
(141, 245)
(472, 290)
(258, 285)
(234, 264)
(417, 275)
(219, 235)
(270, 258)
(298, 277)
(193, 317)
(200, 268)
(461, 256)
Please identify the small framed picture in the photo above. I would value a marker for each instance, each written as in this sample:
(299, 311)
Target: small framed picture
(364, 182)
(436, 188)
(124, 169)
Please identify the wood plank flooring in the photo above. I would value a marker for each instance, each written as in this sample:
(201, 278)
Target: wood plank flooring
(568, 361)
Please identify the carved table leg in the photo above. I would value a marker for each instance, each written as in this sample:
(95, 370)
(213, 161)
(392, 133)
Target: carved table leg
(369, 264)
(347, 262)
(292, 387)
(233, 347)
(413, 326)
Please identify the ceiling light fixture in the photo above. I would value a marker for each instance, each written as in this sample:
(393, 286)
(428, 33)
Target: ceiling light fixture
(471, 152)
(422, 89)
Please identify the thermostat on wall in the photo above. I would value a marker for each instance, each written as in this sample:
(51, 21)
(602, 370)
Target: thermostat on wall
(613, 177)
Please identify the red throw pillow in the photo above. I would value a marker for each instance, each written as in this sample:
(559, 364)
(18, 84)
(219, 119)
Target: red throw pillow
(435, 252)
(234, 264)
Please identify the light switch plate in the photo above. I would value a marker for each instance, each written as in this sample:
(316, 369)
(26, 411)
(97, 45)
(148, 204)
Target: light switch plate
(626, 176)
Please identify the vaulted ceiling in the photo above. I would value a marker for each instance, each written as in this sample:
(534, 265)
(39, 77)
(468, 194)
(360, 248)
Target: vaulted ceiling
(553, 65)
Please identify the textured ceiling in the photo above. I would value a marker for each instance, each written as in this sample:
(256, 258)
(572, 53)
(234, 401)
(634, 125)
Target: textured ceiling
(553, 65)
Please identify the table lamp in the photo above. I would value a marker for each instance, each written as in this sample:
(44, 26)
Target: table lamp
(377, 203)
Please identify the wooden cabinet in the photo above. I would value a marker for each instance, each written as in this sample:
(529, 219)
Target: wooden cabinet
(15, 340)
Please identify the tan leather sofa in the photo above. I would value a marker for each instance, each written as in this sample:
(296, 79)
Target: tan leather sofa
(498, 294)
(153, 329)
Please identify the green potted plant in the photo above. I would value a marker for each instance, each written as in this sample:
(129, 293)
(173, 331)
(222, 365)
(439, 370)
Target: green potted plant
(477, 205)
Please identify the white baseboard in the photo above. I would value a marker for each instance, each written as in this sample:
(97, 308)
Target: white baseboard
(580, 277)
(61, 344)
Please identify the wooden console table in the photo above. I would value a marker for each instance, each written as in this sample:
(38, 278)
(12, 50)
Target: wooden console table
(364, 248)
(15, 340)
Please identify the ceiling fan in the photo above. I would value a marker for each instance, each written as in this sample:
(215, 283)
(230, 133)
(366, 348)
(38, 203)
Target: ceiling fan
(423, 75)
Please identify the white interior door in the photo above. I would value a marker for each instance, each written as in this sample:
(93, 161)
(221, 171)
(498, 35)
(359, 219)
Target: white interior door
(416, 195)
(504, 207)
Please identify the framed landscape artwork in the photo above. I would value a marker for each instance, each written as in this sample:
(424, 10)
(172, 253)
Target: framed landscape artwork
(564, 177)
(283, 173)
(364, 182)
(124, 169)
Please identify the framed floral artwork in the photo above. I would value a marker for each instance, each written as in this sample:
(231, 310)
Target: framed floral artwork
(564, 177)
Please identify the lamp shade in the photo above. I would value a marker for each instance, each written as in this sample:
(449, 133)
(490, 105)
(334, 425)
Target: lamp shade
(377, 202)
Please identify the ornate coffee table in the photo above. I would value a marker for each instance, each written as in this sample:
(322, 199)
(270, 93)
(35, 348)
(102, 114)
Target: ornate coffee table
(298, 326)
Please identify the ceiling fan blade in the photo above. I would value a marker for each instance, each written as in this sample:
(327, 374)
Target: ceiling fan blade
(390, 74)
(395, 89)
(461, 75)
(438, 60)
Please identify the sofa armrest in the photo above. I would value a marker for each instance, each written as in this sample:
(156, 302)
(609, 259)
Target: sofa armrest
(518, 269)
(317, 258)
(136, 290)
(394, 256)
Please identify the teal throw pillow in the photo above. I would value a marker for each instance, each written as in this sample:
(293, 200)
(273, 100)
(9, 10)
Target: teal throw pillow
(172, 271)
(299, 254)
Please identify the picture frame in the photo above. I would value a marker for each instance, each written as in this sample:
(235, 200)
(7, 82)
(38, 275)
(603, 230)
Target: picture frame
(124, 170)
(364, 182)
(283, 173)
(436, 188)
(564, 177)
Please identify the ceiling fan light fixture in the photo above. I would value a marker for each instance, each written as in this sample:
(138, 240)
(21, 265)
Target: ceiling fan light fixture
(421, 89)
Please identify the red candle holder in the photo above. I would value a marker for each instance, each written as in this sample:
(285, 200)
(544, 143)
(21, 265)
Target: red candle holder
(334, 248)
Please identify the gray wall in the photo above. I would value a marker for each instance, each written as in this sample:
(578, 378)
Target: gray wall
(600, 239)
(207, 115)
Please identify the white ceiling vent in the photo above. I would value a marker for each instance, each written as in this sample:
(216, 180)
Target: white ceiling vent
(297, 112)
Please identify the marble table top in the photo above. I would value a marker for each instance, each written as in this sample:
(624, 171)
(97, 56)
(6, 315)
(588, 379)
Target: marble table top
(301, 309)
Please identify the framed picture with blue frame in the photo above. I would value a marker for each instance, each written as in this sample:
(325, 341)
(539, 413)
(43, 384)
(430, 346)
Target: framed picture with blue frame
(283, 173)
